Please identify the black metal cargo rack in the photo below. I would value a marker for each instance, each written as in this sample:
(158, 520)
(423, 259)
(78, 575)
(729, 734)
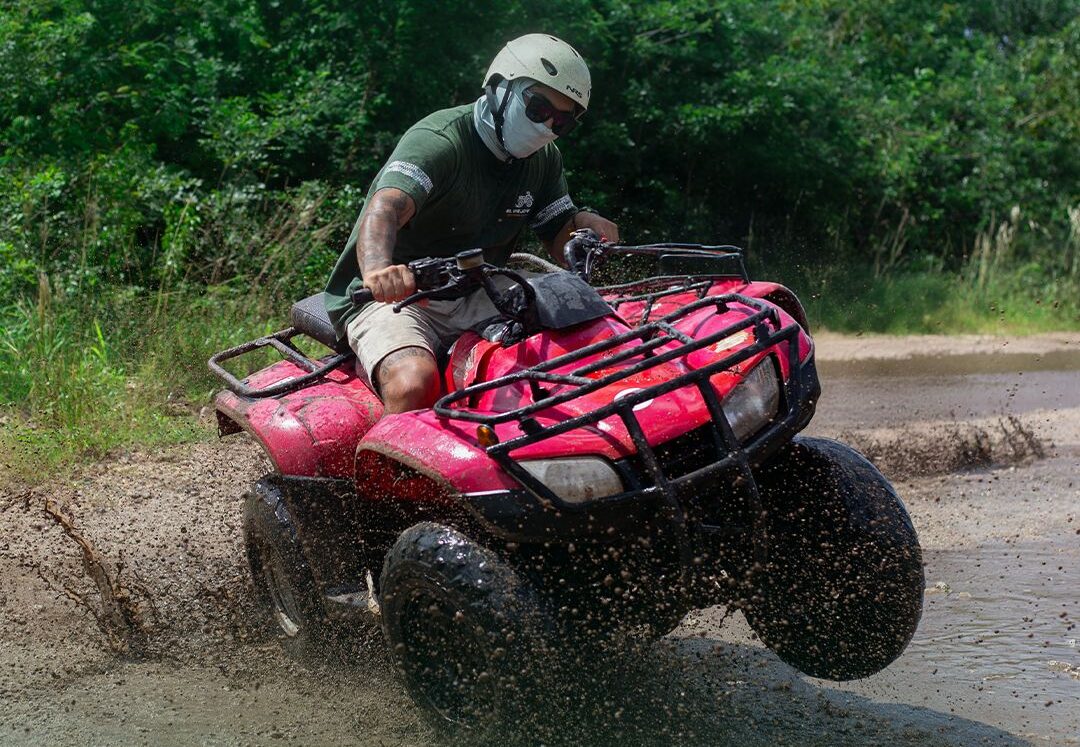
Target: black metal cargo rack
(762, 318)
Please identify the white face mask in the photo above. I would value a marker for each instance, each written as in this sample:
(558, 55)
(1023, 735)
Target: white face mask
(521, 137)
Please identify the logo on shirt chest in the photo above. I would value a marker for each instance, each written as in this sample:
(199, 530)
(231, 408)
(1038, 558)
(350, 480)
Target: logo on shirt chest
(522, 207)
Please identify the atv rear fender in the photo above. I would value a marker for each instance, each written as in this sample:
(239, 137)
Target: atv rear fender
(311, 432)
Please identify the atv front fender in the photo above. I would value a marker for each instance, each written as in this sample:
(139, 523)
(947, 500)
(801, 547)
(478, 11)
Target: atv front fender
(443, 451)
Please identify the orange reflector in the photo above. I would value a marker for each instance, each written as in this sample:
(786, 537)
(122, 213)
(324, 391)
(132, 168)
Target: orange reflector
(485, 434)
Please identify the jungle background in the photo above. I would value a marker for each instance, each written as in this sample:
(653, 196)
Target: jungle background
(173, 174)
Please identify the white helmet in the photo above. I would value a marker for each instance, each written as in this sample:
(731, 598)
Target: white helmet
(547, 60)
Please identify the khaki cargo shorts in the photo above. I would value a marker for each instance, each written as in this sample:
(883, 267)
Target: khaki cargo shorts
(434, 326)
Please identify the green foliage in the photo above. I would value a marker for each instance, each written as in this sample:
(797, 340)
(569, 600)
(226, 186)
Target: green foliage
(914, 154)
(848, 128)
(926, 299)
(935, 303)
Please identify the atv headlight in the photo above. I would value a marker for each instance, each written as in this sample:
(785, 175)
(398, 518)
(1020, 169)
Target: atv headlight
(754, 402)
(576, 480)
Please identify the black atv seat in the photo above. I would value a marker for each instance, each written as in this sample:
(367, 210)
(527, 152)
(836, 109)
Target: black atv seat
(309, 316)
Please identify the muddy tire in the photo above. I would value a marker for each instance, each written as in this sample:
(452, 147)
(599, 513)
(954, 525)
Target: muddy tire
(841, 595)
(285, 588)
(464, 629)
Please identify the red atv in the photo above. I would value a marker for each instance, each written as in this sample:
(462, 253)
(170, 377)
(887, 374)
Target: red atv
(603, 458)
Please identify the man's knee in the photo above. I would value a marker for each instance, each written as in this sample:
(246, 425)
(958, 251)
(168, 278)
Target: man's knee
(408, 380)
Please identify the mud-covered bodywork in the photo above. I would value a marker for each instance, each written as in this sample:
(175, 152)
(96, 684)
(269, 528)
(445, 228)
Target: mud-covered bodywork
(315, 432)
(312, 432)
(646, 391)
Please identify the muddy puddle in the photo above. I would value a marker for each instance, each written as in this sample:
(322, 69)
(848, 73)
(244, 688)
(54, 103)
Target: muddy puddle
(965, 364)
(922, 397)
(1025, 629)
(998, 641)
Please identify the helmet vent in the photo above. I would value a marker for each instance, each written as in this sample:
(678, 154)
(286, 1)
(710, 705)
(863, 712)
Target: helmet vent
(552, 70)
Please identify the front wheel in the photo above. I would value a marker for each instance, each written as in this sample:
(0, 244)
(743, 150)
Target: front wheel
(463, 628)
(841, 594)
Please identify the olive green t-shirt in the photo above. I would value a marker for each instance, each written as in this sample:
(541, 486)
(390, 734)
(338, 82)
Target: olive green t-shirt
(465, 198)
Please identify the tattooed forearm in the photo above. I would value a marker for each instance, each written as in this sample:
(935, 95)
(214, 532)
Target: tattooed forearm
(389, 210)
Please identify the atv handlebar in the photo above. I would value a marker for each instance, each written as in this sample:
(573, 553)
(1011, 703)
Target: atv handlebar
(458, 276)
(449, 278)
(584, 244)
(586, 251)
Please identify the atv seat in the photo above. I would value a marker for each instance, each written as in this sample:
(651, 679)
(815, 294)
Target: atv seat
(309, 316)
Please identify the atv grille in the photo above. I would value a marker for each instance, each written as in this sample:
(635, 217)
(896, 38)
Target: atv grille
(681, 456)
(705, 444)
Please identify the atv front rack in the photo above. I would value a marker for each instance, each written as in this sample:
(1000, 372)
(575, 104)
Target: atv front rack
(640, 291)
(763, 320)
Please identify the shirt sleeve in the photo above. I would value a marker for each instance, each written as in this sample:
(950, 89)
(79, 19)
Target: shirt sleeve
(553, 206)
(422, 164)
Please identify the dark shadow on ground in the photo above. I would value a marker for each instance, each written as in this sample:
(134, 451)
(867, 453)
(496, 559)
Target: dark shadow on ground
(701, 691)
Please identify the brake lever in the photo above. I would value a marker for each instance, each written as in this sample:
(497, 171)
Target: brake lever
(463, 274)
(415, 298)
(364, 295)
(457, 287)
(590, 246)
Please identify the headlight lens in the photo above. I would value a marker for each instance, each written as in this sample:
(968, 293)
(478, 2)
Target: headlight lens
(754, 402)
(576, 480)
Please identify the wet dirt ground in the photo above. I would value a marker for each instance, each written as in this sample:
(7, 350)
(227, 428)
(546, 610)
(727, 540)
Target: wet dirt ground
(981, 437)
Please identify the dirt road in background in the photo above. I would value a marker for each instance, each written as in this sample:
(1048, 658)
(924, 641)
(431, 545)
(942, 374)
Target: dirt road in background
(981, 436)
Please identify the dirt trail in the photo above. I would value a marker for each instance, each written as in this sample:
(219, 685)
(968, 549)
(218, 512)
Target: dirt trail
(168, 521)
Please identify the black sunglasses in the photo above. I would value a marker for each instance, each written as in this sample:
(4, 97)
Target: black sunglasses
(539, 109)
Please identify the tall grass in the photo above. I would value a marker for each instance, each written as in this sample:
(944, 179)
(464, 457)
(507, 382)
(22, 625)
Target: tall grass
(81, 377)
(933, 302)
(90, 360)
(1015, 281)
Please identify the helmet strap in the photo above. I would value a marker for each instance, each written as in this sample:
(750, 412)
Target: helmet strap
(497, 109)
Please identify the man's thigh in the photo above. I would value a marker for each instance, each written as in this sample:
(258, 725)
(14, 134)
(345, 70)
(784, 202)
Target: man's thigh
(377, 331)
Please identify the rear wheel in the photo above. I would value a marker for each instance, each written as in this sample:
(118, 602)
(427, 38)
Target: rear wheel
(841, 594)
(284, 583)
(466, 632)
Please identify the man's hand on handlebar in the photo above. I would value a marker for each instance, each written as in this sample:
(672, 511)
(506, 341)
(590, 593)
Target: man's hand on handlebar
(603, 227)
(446, 278)
(390, 284)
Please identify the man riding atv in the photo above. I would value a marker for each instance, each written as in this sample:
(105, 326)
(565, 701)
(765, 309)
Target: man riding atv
(602, 458)
(465, 177)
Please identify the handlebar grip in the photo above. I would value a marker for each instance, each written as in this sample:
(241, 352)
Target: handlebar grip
(362, 296)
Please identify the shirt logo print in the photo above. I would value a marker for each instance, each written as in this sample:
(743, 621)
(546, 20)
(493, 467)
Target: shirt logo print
(523, 205)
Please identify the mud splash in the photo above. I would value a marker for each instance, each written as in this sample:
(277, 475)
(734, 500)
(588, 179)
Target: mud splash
(936, 449)
(137, 551)
(123, 607)
(161, 578)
